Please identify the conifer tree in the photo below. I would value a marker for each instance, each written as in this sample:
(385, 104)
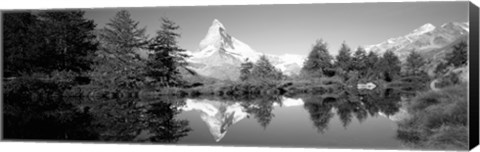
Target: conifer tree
(372, 59)
(459, 55)
(264, 71)
(118, 63)
(389, 65)
(359, 60)
(22, 44)
(371, 63)
(318, 60)
(71, 39)
(344, 58)
(123, 34)
(48, 41)
(413, 64)
(163, 65)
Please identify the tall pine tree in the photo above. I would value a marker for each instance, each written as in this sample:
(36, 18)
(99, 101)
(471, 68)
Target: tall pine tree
(414, 63)
(265, 72)
(123, 35)
(48, 41)
(71, 39)
(344, 59)
(389, 65)
(371, 62)
(22, 44)
(118, 61)
(459, 55)
(163, 65)
(359, 60)
(318, 60)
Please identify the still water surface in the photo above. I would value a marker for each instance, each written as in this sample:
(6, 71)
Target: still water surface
(216, 122)
(333, 121)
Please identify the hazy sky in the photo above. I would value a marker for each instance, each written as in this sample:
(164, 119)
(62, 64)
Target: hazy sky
(280, 29)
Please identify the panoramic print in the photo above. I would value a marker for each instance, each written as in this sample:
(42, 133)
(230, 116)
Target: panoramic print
(352, 75)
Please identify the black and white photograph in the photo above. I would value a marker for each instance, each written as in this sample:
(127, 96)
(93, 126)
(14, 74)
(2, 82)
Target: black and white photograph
(376, 75)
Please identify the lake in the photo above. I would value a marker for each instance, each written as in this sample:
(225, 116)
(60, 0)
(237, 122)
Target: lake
(325, 121)
(292, 124)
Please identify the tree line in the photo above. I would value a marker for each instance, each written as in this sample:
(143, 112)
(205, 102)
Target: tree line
(64, 45)
(357, 64)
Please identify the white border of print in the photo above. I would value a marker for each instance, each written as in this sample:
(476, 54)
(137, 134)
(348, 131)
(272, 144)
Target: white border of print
(80, 147)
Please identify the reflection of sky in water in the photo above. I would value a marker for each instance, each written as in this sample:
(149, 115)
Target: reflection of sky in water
(290, 126)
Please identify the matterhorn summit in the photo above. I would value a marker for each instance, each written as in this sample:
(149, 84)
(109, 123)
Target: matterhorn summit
(214, 35)
(220, 55)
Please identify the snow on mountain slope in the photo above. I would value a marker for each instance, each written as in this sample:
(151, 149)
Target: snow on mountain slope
(423, 39)
(220, 56)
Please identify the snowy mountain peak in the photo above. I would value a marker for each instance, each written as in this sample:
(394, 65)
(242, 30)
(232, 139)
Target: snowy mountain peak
(215, 36)
(220, 55)
(217, 23)
(424, 29)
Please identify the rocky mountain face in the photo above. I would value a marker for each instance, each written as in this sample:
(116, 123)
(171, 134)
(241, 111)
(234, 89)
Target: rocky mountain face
(428, 40)
(220, 56)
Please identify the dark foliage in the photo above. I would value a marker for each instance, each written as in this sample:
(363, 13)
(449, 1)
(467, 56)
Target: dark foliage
(48, 41)
(317, 60)
(167, 56)
(118, 63)
(344, 58)
(414, 63)
(459, 55)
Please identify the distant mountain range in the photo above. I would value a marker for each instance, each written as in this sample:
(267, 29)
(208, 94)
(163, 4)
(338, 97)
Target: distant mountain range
(220, 55)
(427, 40)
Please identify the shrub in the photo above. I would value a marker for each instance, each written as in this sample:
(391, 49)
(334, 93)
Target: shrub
(438, 119)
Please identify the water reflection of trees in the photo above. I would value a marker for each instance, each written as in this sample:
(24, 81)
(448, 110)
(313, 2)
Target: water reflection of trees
(261, 108)
(350, 104)
(45, 118)
(84, 119)
(320, 112)
(132, 120)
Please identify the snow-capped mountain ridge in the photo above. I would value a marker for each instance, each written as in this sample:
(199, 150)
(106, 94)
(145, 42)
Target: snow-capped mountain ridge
(423, 29)
(220, 55)
(423, 39)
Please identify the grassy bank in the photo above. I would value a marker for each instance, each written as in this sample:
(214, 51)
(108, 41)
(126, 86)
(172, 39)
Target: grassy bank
(439, 120)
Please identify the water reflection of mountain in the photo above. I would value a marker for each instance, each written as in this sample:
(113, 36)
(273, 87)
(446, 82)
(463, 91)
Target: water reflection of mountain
(217, 115)
(220, 114)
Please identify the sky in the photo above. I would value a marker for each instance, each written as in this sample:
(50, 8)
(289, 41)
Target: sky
(293, 28)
